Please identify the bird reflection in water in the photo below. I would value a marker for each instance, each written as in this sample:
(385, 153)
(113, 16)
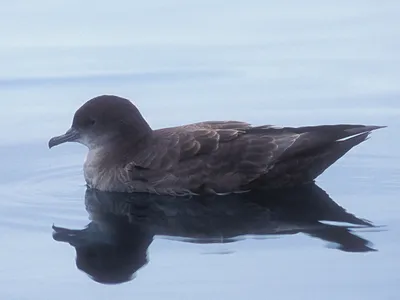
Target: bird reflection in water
(113, 246)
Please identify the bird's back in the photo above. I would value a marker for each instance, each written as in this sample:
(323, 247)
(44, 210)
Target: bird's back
(224, 157)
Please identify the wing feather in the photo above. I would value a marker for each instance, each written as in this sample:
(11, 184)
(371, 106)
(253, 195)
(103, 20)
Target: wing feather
(210, 155)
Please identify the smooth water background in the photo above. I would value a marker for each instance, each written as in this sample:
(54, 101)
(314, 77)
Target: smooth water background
(266, 62)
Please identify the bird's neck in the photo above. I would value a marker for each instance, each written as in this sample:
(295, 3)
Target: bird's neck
(120, 149)
(135, 129)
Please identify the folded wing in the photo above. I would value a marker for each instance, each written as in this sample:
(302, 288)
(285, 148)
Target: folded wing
(220, 157)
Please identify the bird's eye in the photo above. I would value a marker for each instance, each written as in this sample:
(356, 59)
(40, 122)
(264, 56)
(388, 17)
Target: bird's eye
(92, 122)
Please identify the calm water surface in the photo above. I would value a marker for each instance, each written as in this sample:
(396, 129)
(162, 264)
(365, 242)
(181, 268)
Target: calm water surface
(290, 63)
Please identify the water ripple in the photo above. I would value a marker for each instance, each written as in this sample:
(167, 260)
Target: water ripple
(36, 200)
(141, 77)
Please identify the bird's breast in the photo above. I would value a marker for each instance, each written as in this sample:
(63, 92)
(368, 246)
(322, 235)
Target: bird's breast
(105, 175)
(91, 167)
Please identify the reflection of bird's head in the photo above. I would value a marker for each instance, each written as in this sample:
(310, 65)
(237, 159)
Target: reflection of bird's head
(110, 264)
(110, 253)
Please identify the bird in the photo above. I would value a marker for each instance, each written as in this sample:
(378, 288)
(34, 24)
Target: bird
(211, 157)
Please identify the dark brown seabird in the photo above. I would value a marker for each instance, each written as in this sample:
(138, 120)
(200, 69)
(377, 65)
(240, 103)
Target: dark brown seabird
(212, 157)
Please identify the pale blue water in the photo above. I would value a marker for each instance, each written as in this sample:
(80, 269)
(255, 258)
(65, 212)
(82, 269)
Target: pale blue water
(265, 62)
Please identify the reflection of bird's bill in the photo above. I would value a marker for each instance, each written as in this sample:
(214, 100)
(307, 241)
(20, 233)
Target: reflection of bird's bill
(61, 233)
(81, 238)
(71, 236)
